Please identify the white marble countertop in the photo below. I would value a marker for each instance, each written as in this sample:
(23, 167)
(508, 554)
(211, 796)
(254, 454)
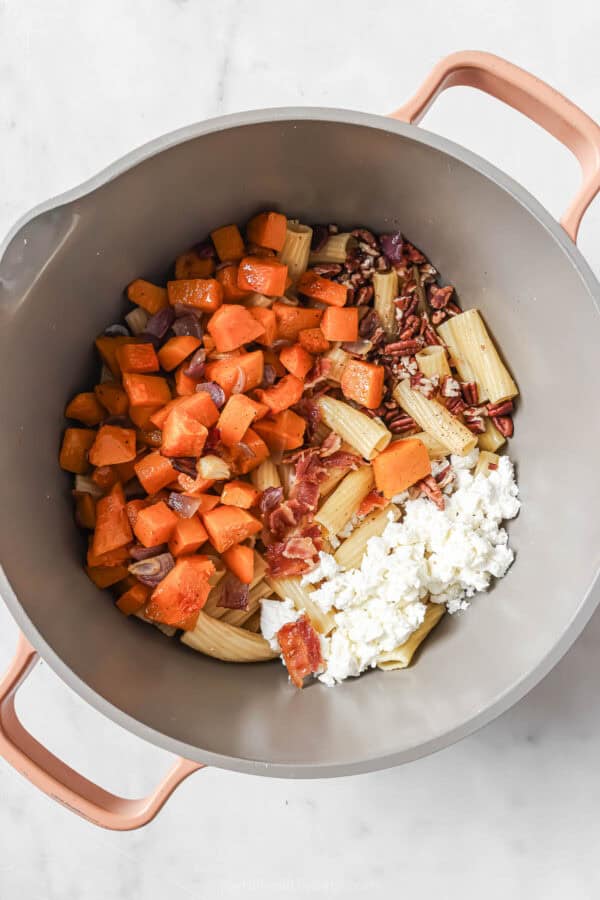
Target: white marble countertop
(509, 812)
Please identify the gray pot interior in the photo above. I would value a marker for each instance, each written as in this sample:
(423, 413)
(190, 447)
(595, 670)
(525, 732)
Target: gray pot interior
(62, 280)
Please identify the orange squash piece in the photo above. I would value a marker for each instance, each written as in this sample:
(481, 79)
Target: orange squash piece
(245, 371)
(236, 417)
(239, 559)
(296, 360)
(199, 406)
(268, 229)
(154, 472)
(239, 493)
(263, 275)
(228, 242)
(284, 431)
(133, 599)
(229, 525)
(291, 320)
(363, 383)
(74, 450)
(182, 592)
(106, 576)
(323, 289)
(176, 349)
(313, 340)
(140, 358)
(86, 408)
(112, 397)
(258, 451)
(112, 524)
(85, 509)
(190, 265)
(340, 323)
(287, 391)
(147, 295)
(232, 326)
(146, 390)
(401, 465)
(227, 276)
(205, 294)
(112, 445)
(141, 416)
(188, 536)
(268, 320)
(107, 347)
(155, 524)
(116, 557)
(182, 435)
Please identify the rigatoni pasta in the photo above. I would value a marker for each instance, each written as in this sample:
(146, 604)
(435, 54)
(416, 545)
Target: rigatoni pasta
(296, 248)
(385, 291)
(343, 502)
(402, 656)
(433, 361)
(435, 419)
(368, 436)
(334, 250)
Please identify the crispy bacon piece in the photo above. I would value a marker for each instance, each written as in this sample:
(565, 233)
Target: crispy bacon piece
(331, 444)
(301, 649)
(270, 499)
(373, 500)
(295, 555)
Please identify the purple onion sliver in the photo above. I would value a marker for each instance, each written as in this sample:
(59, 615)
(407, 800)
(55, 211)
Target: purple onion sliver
(269, 376)
(139, 553)
(214, 390)
(205, 250)
(117, 331)
(186, 507)
(392, 246)
(270, 499)
(145, 338)
(245, 450)
(152, 571)
(188, 324)
(160, 322)
(319, 237)
(195, 366)
(185, 464)
(233, 593)
(240, 383)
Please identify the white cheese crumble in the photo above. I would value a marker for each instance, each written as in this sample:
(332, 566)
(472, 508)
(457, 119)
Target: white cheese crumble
(443, 555)
(274, 614)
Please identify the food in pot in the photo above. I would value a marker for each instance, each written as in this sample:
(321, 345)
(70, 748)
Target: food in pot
(292, 450)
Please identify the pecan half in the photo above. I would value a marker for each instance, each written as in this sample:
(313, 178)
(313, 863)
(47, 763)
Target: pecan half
(504, 424)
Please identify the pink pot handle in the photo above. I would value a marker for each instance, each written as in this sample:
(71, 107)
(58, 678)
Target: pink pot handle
(59, 781)
(528, 95)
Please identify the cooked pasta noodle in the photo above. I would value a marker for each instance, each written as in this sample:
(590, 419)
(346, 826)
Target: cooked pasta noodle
(296, 248)
(385, 287)
(265, 475)
(434, 418)
(334, 250)
(432, 445)
(338, 359)
(485, 462)
(349, 555)
(341, 505)
(368, 436)
(433, 361)
(292, 589)
(459, 361)
(400, 657)
(226, 642)
(491, 439)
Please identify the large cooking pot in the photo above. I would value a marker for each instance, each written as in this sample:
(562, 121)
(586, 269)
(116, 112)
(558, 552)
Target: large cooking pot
(62, 272)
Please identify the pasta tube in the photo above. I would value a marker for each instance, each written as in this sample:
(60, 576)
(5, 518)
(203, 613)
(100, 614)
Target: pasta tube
(341, 505)
(265, 475)
(485, 461)
(491, 439)
(286, 476)
(351, 552)
(368, 436)
(465, 372)
(432, 445)
(400, 657)
(335, 250)
(222, 641)
(433, 361)
(296, 249)
(292, 589)
(476, 347)
(385, 287)
(435, 419)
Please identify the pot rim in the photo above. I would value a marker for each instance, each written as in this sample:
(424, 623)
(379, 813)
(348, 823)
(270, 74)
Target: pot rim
(589, 602)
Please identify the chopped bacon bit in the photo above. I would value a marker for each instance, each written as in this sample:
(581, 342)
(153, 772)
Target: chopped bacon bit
(306, 493)
(342, 460)
(233, 594)
(271, 497)
(301, 649)
(373, 500)
(492, 466)
(330, 445)
(296, 555)
(298, 547)
(286, 516)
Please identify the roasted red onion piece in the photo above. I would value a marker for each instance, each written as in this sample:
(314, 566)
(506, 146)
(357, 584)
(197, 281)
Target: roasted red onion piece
(392, 246)
(319, 237)
(158, 324)
(138, 552)
(240, 382)
(152, 571)
(195, 366)
(185, 464)
(187, 324)
(117, 331)
(186, 507)
(233, 594)
(215, 391)
(205, 249)
(269, 376)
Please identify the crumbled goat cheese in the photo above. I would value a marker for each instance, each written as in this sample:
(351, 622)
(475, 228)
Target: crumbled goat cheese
(274, 614)
(442, 555)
